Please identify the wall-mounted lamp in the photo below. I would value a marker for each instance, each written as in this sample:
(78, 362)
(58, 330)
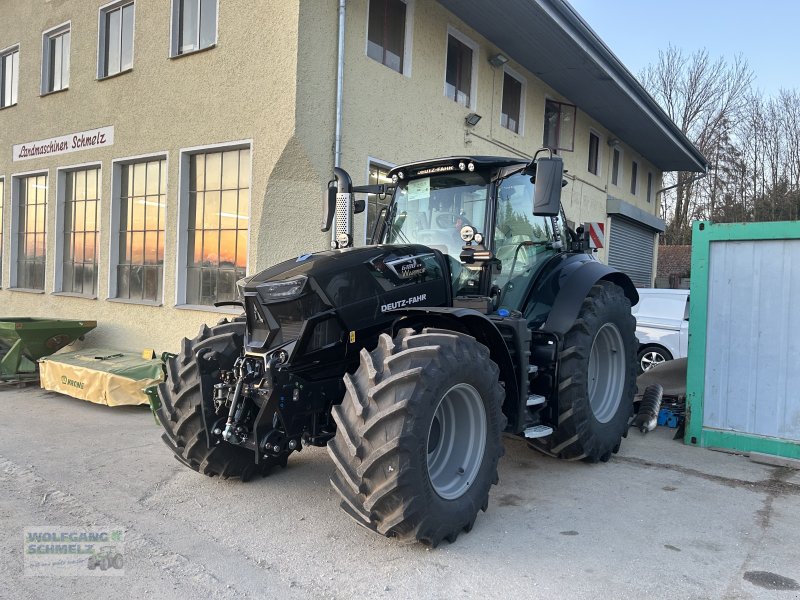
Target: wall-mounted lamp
(613, 142)
(472, 119)
(498, 60)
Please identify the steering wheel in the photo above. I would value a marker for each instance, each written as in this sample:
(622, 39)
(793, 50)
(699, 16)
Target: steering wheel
(448, 220)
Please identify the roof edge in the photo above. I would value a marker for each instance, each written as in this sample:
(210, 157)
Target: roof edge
(582, 34)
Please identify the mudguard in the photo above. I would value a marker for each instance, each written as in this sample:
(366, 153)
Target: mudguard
(574, 290)
(482, 329)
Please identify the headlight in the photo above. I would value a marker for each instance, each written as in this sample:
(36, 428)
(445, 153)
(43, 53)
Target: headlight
(278, 291)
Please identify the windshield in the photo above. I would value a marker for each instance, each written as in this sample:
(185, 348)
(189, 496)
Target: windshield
(432, 210)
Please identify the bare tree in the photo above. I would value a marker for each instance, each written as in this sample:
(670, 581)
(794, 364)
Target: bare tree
(704, 97)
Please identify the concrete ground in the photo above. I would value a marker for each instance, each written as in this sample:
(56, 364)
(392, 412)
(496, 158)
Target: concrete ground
(661, 520)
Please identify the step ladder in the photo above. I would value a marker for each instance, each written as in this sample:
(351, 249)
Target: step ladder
(535, 400)
(538, 431)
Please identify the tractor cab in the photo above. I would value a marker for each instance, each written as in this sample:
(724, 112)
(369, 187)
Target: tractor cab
(479, 212)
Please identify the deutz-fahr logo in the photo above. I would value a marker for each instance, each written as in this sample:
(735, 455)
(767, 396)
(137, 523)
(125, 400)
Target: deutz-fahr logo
(67, 381)
(402, 303)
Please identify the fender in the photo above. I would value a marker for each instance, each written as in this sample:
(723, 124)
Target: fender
(574, 290)
(479, 326)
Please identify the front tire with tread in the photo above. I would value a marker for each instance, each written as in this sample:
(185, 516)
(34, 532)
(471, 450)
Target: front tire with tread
(187, 392)
(380, 450)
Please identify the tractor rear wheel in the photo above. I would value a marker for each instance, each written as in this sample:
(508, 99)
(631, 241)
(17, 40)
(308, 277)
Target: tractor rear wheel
(596, 379)
(187, 392)
(418, 435)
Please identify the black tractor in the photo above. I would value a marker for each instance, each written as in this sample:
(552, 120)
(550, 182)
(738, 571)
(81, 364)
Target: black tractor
(478, 311)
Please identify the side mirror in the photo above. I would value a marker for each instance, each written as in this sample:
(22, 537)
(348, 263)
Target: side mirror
(329, 206)
(547, 189)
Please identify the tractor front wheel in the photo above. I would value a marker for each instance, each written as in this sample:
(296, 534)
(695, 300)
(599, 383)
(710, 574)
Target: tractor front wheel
(188, 391)
(419, 436)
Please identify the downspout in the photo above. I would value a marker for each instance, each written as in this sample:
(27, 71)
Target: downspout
(337, 147)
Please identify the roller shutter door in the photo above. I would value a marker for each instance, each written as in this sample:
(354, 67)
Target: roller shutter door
(630, 249)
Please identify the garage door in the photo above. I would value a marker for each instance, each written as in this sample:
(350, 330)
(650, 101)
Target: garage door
(630, 249)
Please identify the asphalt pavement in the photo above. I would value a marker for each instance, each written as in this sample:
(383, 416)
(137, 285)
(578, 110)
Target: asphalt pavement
(660, 520)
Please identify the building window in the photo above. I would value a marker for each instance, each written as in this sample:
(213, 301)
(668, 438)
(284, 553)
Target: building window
(386, 35)
(31, 244)
(594, 154)
(55, 59)
(513, 103)
(649, 187)
(219, 217)
(142, 200)
(559, 125)
(194, 25)
(378, 175)
(634, 177)
(615, 167)
(9, 76)
(81, 203)
(459, 75)
(116, 39)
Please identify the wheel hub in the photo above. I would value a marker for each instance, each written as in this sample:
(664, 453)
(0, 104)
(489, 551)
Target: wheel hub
(456, 441)
(607, 372)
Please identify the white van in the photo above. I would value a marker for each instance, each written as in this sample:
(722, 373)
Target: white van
(662, 325)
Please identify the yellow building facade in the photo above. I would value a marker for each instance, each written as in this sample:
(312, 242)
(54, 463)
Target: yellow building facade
(154, 151)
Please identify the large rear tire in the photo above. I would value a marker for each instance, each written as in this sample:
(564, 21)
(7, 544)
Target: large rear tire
(187, 392)
(418, 436)
(596, 379)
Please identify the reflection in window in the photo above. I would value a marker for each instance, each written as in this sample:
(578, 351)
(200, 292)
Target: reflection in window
(56, 61)
(141, 231)
(81, 201)
(196, 24)
(559, 125)
(219, 218)
(31, 249)
(378, 175)
(117, 49)
(387, 32)
(458, 76)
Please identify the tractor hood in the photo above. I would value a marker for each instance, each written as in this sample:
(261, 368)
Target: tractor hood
(358, 287)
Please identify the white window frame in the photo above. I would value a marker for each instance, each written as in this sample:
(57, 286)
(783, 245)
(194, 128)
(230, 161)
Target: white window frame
(621, 173)
(61, 203)
(3, 53)
(102, 33)
(407, 42)
(383, 164)
(14, 229)
(523, 96)
(634, 181)
(181, 255)
(46, 66)
(174, 26)
(600, 143)
(113, 225)
(473, 91)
